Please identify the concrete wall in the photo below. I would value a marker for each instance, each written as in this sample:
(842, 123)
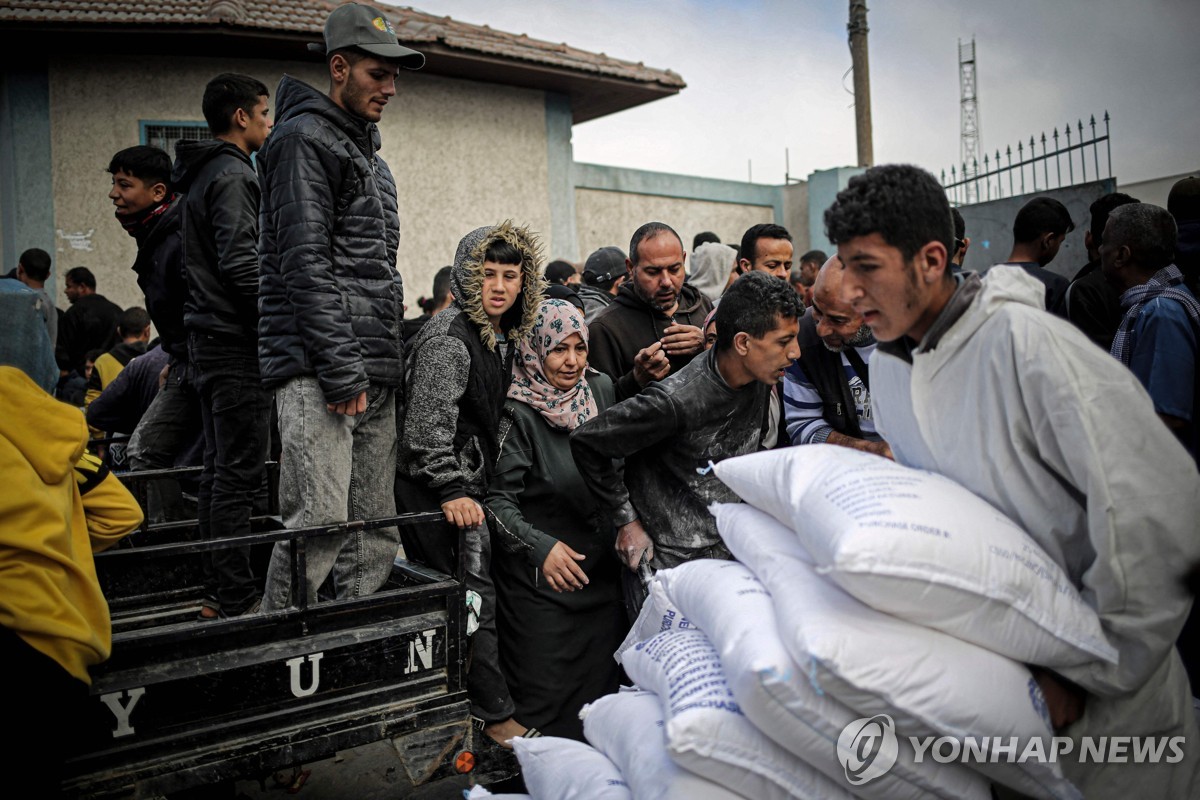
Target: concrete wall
(989, 226)
(27, 214)
(795, 216)
(823, 186)
(610, 218)
(1154, 191)
(464, 154)
(612, 202)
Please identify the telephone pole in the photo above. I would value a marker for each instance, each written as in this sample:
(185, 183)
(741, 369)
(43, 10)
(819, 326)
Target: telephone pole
(862, 81)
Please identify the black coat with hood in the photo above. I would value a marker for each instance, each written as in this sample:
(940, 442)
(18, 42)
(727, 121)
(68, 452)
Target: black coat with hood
(160, 275)
(630, 324)
(330, 298)
(221, 236)
(458, 373)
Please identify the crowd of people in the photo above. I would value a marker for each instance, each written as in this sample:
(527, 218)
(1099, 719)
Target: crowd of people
(563, 419)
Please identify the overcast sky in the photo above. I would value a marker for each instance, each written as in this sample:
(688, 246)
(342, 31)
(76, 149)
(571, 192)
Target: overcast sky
(765, 75)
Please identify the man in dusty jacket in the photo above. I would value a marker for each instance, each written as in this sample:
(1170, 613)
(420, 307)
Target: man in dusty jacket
(714, 408)
(653, 327)
(221, 318)
(330, 303)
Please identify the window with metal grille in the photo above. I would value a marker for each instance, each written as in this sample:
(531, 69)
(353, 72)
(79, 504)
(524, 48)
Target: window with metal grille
(165, 134)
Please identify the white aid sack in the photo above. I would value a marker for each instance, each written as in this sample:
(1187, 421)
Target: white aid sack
(657, 615)
(920, 546)
(707, 733)
(564, 769)
(735, 611)
(628, 727)
(930, 684)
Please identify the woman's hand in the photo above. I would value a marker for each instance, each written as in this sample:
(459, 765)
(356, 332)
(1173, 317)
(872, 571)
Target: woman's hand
(561, 571)
(463, 512)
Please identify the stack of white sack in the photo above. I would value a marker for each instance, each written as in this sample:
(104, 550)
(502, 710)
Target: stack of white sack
(564, 769)
(896, 592)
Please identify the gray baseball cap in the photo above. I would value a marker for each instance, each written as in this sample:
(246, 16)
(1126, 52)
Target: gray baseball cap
(365, 28)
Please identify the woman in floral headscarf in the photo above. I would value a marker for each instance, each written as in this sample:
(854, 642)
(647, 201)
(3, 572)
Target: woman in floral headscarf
(560, 613)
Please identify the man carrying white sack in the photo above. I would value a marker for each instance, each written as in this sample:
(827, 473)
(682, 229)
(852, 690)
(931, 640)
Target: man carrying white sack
(974, 380)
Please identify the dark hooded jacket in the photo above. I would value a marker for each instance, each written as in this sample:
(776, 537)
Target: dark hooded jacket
(160, 276)
(630, 324)
(457, 374)
(330, 297)
(221, 236)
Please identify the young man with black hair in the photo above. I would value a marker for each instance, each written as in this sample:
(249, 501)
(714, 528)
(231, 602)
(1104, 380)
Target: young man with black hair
(89, 324)
(560, 272)
(33, 270)
(221, 318)
(1038, 232)
(810, 264)
(1091, 302)
(652, 328)
(704, 237)
(133, 330)
(716, 407)
(973, 380)
(330, 341)
(766, 247)
(150, 212)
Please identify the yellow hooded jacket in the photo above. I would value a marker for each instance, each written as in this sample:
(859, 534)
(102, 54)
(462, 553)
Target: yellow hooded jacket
(58, 505)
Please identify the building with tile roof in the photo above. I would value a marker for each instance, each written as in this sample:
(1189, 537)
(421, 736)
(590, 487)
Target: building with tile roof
(481, 134)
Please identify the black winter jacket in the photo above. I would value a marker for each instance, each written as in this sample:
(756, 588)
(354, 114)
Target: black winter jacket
(159, 270)
(630, 324)
(89, 324)
(221, 256)
(330, 298)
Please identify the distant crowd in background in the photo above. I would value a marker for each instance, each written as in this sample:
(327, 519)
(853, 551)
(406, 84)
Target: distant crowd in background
(561, 415)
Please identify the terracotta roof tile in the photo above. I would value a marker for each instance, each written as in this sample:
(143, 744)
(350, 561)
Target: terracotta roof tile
(308, 16)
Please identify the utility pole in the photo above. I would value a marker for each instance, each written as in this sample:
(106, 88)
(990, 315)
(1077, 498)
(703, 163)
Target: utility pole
(862, 81)
(969, 127)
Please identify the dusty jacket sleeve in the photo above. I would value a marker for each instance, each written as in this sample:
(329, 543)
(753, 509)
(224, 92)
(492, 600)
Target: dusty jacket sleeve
(504, 498)
(1143, 499)
(111, 511)
(299, 175)
(600, 445)
(605, 355)
(438, 379)
(233, 204)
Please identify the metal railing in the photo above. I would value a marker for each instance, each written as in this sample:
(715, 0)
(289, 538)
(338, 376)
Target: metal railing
(977, 183)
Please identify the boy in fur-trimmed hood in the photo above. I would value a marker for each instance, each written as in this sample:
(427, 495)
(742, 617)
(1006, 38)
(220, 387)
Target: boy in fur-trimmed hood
(456, 379)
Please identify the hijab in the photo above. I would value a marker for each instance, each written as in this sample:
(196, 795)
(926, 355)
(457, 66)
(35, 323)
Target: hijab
(563, 409)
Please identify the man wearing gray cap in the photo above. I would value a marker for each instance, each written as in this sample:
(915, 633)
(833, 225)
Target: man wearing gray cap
(603, 273)
(330, 303)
